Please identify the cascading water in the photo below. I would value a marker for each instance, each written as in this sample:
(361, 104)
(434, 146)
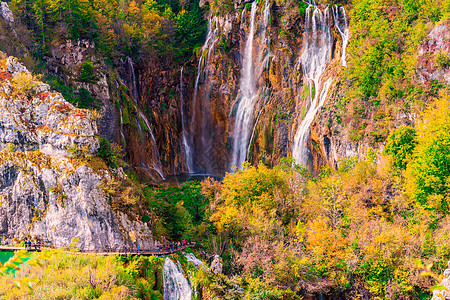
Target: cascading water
(185, 140)
(190, 257)
(134, 90)
(211, 38)
(247, 97)
(200, 124)
(265, 61)
(317, 46)
(176, 286)
(341, 23)
(156, 159)
(266, 20)
(122, 136)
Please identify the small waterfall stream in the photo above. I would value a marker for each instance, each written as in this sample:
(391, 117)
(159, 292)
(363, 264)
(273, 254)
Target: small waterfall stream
(134, 90)
(190, 257)
(176, 286)
(247, 97)
(156, 158)
(187, 146)
(341, 24)
(122, 136)
(317, 47)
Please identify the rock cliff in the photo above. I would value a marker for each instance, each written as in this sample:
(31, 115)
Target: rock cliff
(51, 183)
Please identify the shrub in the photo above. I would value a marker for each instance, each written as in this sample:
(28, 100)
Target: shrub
(84, 99)
(400, 144)
(111, 153)
(26, 83)
(87, 72)
(429, 172)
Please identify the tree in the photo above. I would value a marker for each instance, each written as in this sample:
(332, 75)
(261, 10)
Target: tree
(400, 144)
(429, 171)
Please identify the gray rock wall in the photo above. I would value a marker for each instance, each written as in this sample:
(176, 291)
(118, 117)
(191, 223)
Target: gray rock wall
(44, 192)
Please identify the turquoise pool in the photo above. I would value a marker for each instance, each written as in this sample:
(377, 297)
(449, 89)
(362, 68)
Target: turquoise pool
(4, 256)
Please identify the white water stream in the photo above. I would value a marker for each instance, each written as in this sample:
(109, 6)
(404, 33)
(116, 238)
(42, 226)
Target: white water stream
(156, 159)
(187, 146)
(317, 47)
(247, 96)
(341, 24)
(203, 145)
(176, 286)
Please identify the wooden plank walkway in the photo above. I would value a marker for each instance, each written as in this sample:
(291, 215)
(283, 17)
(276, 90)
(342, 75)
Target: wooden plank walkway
(13, 249)
(134, 252)
(145, 252)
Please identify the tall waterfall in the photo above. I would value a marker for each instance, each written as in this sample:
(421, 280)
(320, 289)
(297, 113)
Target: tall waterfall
(317, 46)
(202, 146)
(246, 98)
(185, 139)
(341, 24)
(176, 286)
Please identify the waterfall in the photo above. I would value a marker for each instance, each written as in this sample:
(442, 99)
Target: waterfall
(176, 286)
(185, 140)
(204, 148)
(247, 97)
(266, 14)
(317, 44)
(341, 23)
(156, 159)
(190, 257)
(210, 36)
(134, 90)
(121, 115)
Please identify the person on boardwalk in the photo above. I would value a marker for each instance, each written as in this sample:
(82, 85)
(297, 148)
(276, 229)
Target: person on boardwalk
(137, 248)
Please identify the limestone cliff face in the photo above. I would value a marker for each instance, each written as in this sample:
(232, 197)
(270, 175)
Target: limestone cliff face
(46, 190)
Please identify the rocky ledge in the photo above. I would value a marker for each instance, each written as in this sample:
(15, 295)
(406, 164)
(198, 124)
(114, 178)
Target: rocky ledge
(52, 185)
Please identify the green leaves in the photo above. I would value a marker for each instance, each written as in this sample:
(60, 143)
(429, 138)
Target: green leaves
(16, 262)
(400, 144)
(429, 171)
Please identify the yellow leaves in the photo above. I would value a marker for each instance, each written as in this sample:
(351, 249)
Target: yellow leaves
(28, 282)
(117, 292)
(133, 9)
(324, 242)
(25, 82)
(132, 236)
(225, 217)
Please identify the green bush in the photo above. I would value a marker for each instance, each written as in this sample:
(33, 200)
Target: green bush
(181, 208)
(111, 153)
(87, 72)
(400, 144)
(429, 172)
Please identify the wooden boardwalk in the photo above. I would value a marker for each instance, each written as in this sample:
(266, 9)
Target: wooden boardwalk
(141, 252)
(13, 249)
(133, 252)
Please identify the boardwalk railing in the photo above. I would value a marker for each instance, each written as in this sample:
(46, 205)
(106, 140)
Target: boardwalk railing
(143, 252)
